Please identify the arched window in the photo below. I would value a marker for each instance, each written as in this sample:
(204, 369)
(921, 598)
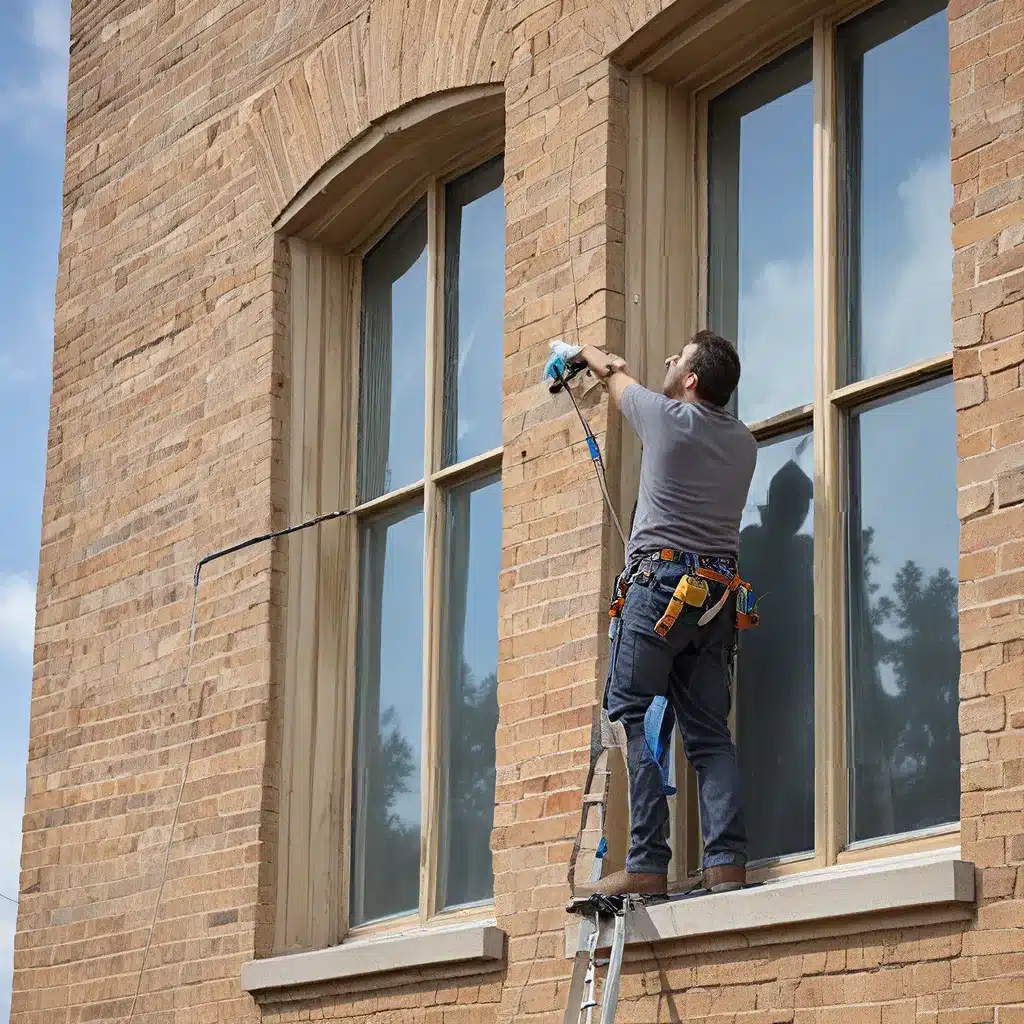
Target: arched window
(393, 284)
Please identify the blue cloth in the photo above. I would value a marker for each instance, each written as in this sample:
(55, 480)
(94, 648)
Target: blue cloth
(659, 722)
(684, 677)
(561, 354)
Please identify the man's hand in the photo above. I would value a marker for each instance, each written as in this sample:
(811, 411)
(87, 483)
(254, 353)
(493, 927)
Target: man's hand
(611, 370)
(602, 364)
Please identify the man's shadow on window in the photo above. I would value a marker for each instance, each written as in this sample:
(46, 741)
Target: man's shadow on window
(775, 672)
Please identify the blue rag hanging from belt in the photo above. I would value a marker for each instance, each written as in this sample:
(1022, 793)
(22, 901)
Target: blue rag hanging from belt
(659, 723)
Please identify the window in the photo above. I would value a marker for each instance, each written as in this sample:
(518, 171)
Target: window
(830, 264)
(429, 541)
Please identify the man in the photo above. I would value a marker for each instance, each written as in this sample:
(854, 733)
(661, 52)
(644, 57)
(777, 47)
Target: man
(695, 472)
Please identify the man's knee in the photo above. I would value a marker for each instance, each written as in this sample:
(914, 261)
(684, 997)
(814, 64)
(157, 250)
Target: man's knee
(711, 743)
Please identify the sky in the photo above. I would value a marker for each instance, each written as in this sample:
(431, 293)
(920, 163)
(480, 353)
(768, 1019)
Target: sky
(33, 86)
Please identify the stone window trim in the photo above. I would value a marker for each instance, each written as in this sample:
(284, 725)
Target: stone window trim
(480, 942)
(915, 888)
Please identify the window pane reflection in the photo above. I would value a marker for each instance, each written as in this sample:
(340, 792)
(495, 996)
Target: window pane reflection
(474, 301)
(393, 358)
(469, 676)
(775, 666)
(905, 653)
(761, 233)
(386, 795)
(894, 70)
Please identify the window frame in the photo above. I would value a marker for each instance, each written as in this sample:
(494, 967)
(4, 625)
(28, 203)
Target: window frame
(678, 106)
(426, 493)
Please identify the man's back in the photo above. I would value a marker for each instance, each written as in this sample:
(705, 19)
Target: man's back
(698, 461)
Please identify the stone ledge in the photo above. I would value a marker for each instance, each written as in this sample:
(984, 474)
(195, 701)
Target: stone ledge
(933, 881)
(476, 940)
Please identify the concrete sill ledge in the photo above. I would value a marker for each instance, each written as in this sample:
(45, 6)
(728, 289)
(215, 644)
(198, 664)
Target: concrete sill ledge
(918, 882)
(476, 940)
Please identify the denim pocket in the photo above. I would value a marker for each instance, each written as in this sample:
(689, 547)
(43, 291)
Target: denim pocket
(651, 665)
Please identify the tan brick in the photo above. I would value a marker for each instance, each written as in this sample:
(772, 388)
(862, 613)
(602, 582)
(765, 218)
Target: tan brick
(969, 392)
(974, 500)
(980, 776)
(1005, 322)
(968, 331)
(968, 53)
(1010, 488)
(1003, 382)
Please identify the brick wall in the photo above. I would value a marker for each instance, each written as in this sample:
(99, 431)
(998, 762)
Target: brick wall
(987, 111)
(165, 443)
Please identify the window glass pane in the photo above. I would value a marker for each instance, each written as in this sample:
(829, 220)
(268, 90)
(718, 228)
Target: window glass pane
(904, 645)
(469, 675)
(894, 68)
(474, 307)
(761, 288)
(393, 358)
(775, 664)
(386, 795)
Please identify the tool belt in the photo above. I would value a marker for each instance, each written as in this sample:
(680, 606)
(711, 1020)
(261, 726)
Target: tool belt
(692, 590)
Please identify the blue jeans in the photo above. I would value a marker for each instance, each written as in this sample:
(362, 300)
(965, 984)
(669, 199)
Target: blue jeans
(690, 667)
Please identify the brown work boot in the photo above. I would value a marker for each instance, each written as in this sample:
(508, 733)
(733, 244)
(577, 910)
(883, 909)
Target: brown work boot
(725, 878)
(625, 883)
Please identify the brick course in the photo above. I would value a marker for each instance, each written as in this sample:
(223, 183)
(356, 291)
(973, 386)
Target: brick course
(191, 124)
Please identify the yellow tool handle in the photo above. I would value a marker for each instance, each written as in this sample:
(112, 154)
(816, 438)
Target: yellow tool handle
(688, 591)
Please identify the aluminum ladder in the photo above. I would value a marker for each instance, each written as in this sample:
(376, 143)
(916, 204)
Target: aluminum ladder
(582, 989)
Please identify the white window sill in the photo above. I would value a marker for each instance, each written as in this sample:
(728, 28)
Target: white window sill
(446, 944)
(935, 881)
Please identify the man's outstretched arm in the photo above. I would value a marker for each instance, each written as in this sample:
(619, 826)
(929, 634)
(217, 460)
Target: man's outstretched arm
(611, 370)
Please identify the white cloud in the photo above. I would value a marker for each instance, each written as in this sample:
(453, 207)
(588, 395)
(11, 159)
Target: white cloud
(909, 308)
(50, 20)
(776, 324)
(17, 615)
(907, 294)
(40, 94)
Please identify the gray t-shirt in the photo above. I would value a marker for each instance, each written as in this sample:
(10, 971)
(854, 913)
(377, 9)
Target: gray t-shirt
(698, 461)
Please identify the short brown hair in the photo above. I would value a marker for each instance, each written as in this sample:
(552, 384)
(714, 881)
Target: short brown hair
(717, 366)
